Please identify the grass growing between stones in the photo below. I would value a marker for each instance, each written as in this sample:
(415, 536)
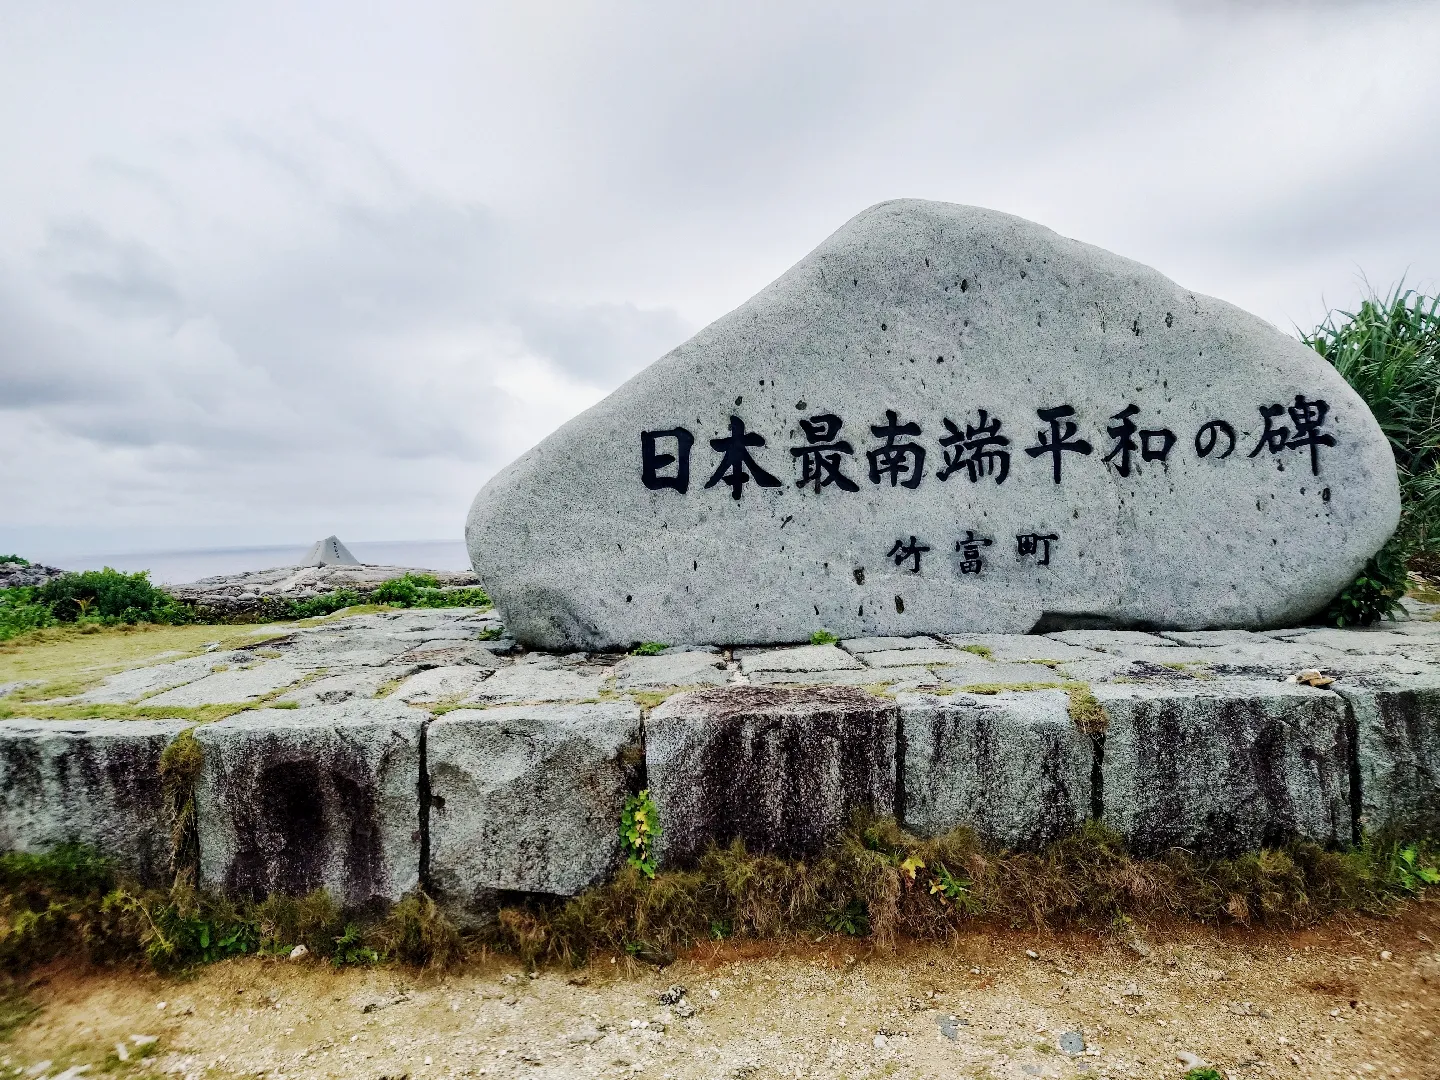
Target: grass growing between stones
(71, 655)
(879, 882)
(875, 882)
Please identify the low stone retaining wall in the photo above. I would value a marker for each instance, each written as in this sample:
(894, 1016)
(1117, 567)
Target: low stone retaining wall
(480, 772)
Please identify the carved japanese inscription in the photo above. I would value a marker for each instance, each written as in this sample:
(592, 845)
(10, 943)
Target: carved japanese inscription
(945, 419)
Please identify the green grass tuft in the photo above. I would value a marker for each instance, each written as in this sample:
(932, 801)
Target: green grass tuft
(823, 637)
(1389, 352)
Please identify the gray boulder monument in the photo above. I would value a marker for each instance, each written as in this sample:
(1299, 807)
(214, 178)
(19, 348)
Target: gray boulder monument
(329, 552)
(945, 419)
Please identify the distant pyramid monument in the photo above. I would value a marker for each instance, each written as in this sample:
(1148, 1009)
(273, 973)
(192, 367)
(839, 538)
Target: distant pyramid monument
(329, 552)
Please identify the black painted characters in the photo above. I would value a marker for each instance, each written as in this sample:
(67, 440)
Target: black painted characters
(979, 450)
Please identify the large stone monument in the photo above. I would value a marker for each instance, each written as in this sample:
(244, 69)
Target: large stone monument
(944, 419)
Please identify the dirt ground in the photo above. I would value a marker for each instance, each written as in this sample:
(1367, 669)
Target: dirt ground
(1356, 998)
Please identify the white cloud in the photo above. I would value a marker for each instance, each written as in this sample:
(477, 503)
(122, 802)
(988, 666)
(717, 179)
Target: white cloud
(269, 271)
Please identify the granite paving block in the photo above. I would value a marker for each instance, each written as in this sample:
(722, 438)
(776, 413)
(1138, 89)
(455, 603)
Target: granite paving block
(130, 686)
(1224, 767)
(362, 683)
(1013, 767)
(802, 658)
(1021, 647)
(533, 682)
(95, 782)
(441, 684)
(780, 769)
(1397, 740)
(886, 644)
(292, 800)
(884, 658)
(236, 684)
(671, 669)
(528, 798)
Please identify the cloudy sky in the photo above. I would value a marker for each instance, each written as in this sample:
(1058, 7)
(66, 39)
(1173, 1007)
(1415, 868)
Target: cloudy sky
(270, 270)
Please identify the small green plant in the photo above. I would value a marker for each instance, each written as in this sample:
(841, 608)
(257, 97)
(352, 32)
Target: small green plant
(982, 651)
(15, 559)
(823, 637)
(423, 591)
(1410, 871)
(491, 633)
(1376, 591)
(1204, 1073)
(649, 648)
(851, 918)
(350, 948)
(950, 888)
(639, 829)
(1389, 351)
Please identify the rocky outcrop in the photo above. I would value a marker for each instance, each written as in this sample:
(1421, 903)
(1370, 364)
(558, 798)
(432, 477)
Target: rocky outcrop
(265, 592)
(14, 575)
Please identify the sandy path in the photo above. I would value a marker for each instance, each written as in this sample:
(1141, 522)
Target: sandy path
(1361, 999)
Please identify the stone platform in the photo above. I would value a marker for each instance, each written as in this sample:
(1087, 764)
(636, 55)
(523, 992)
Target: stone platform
(379, 751)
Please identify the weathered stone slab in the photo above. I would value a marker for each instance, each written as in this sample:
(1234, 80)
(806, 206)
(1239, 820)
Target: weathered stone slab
(890, 677)
(1013, 767)
(1224, 767)
(132, 685)
(236, 684)
(1397, 741)
(1022, 647)
(884, 658)
(1354, 641)
(441, 684)
(333, 689)
(1167, 460)
(998, 674)
(96, 782)
(673, 669)
(325, 797)
(538, 682)
(804, 658)
(780, 769)
(1110, 641)
(528, 797)
(449, 652)
(860, 646)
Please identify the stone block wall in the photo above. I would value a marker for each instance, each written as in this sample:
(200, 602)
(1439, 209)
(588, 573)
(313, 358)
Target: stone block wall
(508, 774)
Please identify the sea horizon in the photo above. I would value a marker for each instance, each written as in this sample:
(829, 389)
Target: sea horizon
(178, 567)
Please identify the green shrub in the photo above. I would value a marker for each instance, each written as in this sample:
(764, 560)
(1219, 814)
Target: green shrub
(20, 613)
(108, 596)
(14, 559)
(404, 590)
(324, 604)
(1389, 351)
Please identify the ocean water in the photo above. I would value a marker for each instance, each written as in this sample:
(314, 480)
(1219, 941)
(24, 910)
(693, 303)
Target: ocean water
(179, 567)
